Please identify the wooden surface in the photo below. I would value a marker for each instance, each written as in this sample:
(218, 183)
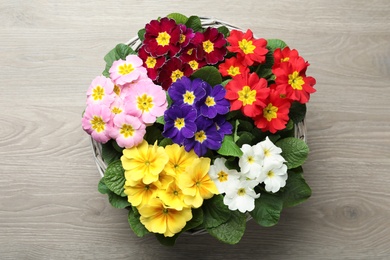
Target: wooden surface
(49, 205)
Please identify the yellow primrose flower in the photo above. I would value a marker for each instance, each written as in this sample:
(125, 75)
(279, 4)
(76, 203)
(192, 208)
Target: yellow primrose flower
(157, 218)
(196, 183)
(144, 162)
(164, 180)
(172, 197)
(179, 159)
(139, 193)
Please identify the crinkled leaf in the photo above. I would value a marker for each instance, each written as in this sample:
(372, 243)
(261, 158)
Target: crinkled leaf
(109, 153)
(121, 51)
(179, 18)
(232, 231)
(229, 147)
(114, 177)
(153, 133)
(273, 44)
(196, 221)
(160, 120)
(267, 209)
(225, 82)
(297, 112)
(141, 34)
(296, 190)
(294, 151)
(224, 30)
(215, 212)
(135, 224)
(102, 188)
(245, 138)
(117, 201)
(209, 74)
(164, 142)
(167, 241)
(194, 23)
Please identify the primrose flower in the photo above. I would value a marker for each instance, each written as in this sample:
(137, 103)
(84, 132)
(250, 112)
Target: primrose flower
(179, 159)
(214, 102)
(172, 197)
(188, 55)
(271, 152)
(205, 137)
(152, 64)
(158, 218)
(186, 35)
(139, 193)
(162, 37)
(241, 195)
(179, 123)
(97, 122)
(284, 55)
(128, 131)
(251, 162)
(275, 113)
(187, 91)
(247, 92)
(173, 70)
(249, 49)
(196, 183)
(146, 102)
(117, 107)
(101, 91)
(232, 67)
(221, 175)
(211, 45)
(144, 162)
(274, 177)
(291, 80)
(223, 126)
(126, 71)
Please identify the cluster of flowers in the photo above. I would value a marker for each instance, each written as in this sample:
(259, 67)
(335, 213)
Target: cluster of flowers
(260, 163)
(121, 106)
(172, 182)
(171, 51)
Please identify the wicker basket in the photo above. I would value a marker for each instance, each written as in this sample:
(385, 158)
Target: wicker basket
(135, 44)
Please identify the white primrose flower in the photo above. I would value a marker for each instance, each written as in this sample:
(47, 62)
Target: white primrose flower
(251, 161)
(241, 195)
(274, 176)
(271, 152)
(221, 175)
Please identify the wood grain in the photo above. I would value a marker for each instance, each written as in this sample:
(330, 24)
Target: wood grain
(49, 205)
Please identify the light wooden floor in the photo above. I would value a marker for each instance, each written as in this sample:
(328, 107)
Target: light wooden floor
(49, 205)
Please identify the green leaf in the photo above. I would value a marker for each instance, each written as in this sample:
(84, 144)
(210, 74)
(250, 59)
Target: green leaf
(160, 120)
(164, 142)
(215, 212)
(297, 112)
(245, 138)
(109, 153)
(225, 82)
(209, 74)
(114, 177)
(294, 151)
(296, 190)
(273, 44)
(117, 201)
(121, 51)
(232, 231)
(102, 188)
(167, 241)
(224, 30)
(229, 147)
(179, 18)
(196, 221)
(141, 34)
(267, 209)
(135, 224)
(153, 133)
(194, 23)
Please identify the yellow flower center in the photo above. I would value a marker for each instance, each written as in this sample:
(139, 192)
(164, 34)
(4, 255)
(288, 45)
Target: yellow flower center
(267, 153)
(222, 176)
(246, 46)
(189, 52)
(177, 74)
(208, 46)
(98, 124)
(194, 64)
(127, 131)
(145, 103)
(163, 38)
(270, 112)
(147, 187)
(116, 110)
(285, 59)
(179, 123)
(210, 101)
(295, 80)
(182, 38)
(150, 62)
(125, 69)
(241, 192)
(117, 90)
(200, 136)
(251, 159)
(270, 174)
(247, 96)
(233, 71)
(189, 97)
(98, 93)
